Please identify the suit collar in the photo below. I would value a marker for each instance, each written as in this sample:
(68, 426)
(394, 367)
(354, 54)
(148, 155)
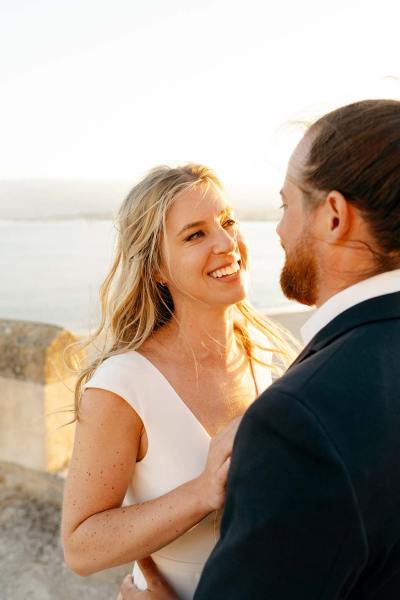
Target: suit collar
(387, 282)
(376, 309)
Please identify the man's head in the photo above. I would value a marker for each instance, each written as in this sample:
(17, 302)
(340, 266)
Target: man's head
(341, 201)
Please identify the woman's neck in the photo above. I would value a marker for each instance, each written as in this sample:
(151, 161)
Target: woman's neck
(208, 335)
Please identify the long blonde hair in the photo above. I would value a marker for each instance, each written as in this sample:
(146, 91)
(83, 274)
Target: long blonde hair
(133, 303)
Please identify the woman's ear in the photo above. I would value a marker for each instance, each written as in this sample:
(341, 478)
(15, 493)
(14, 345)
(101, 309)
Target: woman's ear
(160, 279)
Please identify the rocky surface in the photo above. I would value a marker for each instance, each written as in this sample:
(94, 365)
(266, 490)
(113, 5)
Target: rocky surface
(31, 559)
(33, 351)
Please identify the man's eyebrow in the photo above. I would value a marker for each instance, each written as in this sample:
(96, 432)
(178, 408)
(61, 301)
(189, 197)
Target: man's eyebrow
(225, 211)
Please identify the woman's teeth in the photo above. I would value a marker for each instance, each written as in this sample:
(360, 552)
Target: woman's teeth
(234, 268)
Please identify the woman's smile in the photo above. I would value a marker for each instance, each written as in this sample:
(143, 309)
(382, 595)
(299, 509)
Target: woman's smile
(228, 272)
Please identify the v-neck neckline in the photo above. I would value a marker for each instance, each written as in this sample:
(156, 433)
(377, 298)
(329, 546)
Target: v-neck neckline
(181, 401)
(171, 387)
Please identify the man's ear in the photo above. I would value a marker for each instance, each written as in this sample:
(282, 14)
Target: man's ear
(337, 215)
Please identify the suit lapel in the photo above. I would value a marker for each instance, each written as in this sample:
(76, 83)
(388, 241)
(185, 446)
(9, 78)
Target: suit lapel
(376, 309)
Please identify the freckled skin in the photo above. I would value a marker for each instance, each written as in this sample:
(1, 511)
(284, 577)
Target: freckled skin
(109, 432)
(93, 516)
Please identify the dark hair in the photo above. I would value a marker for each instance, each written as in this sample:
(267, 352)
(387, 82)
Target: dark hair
(356, 151)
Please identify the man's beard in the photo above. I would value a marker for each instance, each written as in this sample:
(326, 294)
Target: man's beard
(299, 276)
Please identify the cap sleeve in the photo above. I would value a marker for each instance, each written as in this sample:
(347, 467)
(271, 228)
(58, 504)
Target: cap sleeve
(118, 374)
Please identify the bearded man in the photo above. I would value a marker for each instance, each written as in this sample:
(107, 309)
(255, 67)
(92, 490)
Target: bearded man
(313, 497)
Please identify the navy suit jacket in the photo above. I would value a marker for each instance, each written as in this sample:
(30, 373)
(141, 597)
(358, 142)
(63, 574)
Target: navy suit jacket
(313, 498)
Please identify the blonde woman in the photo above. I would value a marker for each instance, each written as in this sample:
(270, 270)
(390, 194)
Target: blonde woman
(158, 410)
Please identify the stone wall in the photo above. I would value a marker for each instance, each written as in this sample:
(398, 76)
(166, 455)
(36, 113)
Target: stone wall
(35, 395)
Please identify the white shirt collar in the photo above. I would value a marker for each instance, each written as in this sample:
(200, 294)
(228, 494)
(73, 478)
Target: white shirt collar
(378, 285)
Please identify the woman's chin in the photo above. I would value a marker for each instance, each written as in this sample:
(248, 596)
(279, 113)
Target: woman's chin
(231, 298)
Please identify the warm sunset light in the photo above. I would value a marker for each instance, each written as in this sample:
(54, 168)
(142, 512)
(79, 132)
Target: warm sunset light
(199, 299)
(100, 90)
(94, 94)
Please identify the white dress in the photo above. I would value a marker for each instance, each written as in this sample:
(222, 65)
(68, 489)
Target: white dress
(177, 452)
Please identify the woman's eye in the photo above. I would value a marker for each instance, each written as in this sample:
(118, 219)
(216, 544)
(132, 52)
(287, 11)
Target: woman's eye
(194, 236)
(230, 223)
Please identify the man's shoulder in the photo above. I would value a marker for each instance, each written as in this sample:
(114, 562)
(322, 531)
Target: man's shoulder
(345, 388)
(357, 355)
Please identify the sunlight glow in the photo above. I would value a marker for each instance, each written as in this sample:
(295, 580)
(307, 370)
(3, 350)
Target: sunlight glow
(107, 90)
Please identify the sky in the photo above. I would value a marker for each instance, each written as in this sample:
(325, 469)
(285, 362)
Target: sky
(95, 89)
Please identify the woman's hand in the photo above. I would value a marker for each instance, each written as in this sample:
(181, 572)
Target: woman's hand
(212, 482)
(157, 587)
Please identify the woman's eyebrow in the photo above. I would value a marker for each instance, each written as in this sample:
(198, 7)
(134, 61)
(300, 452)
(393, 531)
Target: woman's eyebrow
(224, 212)
(191, 225)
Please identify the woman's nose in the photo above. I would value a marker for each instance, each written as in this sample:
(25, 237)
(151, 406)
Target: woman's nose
(225, 241)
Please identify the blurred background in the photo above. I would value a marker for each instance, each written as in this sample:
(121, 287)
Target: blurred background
(93, 94)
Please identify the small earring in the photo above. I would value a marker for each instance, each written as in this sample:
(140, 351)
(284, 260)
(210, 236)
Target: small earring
(163, 283)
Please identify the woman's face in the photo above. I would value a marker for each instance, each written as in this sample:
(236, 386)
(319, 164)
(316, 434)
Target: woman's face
(203, 253)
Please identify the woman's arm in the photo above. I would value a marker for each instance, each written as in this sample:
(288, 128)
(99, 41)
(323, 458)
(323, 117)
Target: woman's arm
(97, 532)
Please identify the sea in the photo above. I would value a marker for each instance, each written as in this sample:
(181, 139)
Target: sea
(51, 270)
